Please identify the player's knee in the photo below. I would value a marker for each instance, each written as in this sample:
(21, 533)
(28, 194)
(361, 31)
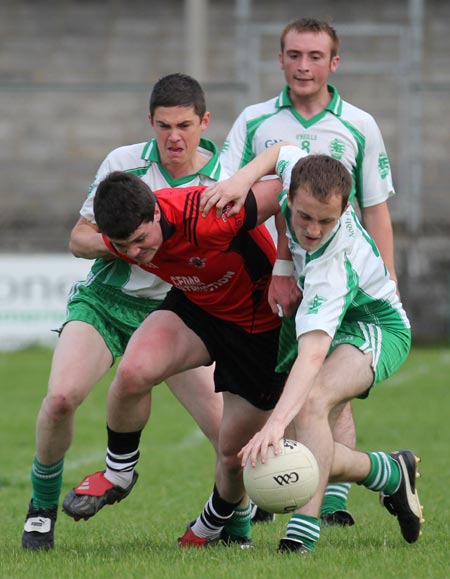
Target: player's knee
(315, 406)
(229, 462)
(58, 406)
(134, 379)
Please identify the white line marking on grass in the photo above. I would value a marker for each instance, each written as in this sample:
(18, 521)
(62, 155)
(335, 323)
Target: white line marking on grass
(84, 460)
(406, 375)
(73, 464)
(192, 439)
(445, 357)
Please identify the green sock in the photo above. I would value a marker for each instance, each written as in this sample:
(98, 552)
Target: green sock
(335, 498)
(305, 529)
(384, 473)
(47, 482)
(239, 524)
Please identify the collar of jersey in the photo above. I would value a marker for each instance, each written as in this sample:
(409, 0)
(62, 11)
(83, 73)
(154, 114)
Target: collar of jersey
(321, 249)
(211, 169)
(334, 106)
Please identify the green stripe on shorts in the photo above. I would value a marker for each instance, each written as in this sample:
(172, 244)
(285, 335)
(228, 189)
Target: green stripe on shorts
(390, 347)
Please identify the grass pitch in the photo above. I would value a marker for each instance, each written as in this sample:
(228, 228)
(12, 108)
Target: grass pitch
(137, 538)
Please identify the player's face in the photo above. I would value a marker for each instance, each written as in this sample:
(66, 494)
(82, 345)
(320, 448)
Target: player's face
(178, 131)
(306, 61)
(313, 221)
(144, 242)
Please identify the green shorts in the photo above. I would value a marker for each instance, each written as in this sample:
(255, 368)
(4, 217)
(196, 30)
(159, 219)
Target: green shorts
(112, 313)
(390, 347)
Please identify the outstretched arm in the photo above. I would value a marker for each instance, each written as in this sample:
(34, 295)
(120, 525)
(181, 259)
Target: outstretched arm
(234, 190)
(312, 350)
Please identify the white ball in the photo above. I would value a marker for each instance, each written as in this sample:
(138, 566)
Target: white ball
(284, 482)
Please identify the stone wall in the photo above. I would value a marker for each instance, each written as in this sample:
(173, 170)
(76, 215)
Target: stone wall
(75, 77)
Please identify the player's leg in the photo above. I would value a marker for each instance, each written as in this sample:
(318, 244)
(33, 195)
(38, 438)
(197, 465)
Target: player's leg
(80, 360)
(346, 373)
(334, 506)
(239, 423)
(161, 347)
(245, 374)
(393, 475)
(194, 389)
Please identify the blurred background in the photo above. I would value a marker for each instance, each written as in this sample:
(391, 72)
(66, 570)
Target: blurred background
(75, 77)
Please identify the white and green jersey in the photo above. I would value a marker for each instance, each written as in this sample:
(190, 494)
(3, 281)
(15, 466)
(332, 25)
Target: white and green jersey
(341, 130)
(143, 160)
(346, 278)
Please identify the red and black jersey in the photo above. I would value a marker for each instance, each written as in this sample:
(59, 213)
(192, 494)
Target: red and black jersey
(223, 265)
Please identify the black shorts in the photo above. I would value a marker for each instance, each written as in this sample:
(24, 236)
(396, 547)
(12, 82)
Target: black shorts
(245, 363)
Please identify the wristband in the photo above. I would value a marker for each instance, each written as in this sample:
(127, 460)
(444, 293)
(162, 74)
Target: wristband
(283, 267)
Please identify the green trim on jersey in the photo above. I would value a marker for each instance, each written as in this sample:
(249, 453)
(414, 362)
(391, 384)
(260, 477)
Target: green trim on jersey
(334, 106)
(367, 237)
(321, 250)
(115, 271)
(286, 212)
(210, 169)
(352, 288)
(357, 176)
(252, 126)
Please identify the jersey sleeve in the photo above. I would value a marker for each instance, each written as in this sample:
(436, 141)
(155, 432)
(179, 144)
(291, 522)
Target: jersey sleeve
(87, 209)
(375, 181)
(287, 158)
(236, 151)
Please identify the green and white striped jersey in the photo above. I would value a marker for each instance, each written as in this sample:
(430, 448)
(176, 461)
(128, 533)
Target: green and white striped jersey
(341, 130)
(142, 159)
(345, 278)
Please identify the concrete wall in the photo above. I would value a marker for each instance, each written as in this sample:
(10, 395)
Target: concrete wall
(75, 77)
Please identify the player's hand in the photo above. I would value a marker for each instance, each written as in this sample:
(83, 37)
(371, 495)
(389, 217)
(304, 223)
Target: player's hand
(269, 435)
(284, 295)
(230, 192)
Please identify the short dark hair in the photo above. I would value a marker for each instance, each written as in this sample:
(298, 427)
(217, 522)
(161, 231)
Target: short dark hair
(122, 203)
(322, 176)
(178, 90)
(312, 25)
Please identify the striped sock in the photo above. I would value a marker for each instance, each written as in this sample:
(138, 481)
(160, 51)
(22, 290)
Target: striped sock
(47, 482)
(216, 513)
(335, 498)
(239, 524)
(305, 529)
(384, 473)
(122, 456)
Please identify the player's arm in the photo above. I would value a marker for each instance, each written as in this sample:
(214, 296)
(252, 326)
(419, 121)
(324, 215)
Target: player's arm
(234, 190)
(266, 195)
(86, 241)
(312, 350)
(373, 198)
(284, 295)
(377, 221)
